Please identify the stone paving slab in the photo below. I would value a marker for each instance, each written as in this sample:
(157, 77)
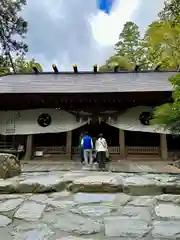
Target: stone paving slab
(93, 216)
(92, 181)
(126, 227)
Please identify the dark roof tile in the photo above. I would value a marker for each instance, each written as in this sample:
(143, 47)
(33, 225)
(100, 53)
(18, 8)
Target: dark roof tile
(85, 82)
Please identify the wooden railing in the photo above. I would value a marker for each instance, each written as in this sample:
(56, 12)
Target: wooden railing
(6, 145)
(112, 150)
(52, 150)
(75, 150)
(142, 150)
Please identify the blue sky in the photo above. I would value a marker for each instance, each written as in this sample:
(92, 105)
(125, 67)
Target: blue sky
(65, 32)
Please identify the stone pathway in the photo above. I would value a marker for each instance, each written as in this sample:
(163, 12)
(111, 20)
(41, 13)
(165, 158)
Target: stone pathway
(94, 216)
(121, 166)
(92, 181)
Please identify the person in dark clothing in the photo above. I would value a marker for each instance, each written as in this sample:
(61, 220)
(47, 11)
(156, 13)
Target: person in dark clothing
(81, 148)
(101, 150)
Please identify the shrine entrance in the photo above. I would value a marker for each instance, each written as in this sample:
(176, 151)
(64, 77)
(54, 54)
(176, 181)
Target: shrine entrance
(110, 133)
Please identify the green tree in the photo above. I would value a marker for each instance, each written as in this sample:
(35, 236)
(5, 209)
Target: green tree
(116, 61)
(159, 46)
(24, 66)
(166, 34)
(129, 50)
(4, 67)
(168, 115)
(21, 64)
(12, 25)
(129, 45)
(163, 36)
(171, 11)
(164, 41)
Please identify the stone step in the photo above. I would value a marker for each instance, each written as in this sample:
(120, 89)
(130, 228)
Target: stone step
(89, 181)
(118, 166)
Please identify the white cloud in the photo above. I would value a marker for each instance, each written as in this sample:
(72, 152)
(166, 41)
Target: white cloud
(74, 31)
(106, 28)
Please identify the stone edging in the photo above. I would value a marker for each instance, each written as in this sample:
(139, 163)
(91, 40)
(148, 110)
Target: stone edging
(81, 181)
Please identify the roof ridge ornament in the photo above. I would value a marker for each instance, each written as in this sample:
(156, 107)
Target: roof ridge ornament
(95, 68)
(36, 71)
(137, 68)
(157, 68)
(75, 68)
(116, 68)
(55, 68)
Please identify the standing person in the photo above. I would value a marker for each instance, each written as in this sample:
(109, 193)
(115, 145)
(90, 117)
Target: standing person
(101, 149)
(81, 148)
(87, 145)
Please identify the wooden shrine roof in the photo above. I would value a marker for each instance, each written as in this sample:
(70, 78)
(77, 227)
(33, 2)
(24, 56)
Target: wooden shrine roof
(87, 82)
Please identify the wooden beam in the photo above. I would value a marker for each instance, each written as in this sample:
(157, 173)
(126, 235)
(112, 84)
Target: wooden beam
(122, 144)
(163, 147)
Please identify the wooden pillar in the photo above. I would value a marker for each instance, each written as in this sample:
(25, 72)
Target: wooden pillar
(163, 147)
(122, 144)
(29, 148)
(69, 144)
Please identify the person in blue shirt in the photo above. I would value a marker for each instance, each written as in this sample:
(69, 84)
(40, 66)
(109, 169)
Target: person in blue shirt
(87, 145)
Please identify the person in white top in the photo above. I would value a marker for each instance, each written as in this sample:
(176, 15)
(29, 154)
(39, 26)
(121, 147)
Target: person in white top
(101, 149)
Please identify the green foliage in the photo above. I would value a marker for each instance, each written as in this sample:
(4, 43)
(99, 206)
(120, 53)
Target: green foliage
(11, 25)
(122, 62)
(160, 44)
(129, 42)
(24, 66)
(171, 11)
(21, 64)
(165, 35)
(162, 36)
(4, 67)
(128, 50)
(168, 115)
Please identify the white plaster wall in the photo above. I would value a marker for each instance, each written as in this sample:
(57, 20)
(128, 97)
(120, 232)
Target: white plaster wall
(62, 121)
(26, 122)
(130, 121)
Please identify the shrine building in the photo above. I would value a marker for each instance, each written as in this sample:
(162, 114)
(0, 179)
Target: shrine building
(45, 113)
